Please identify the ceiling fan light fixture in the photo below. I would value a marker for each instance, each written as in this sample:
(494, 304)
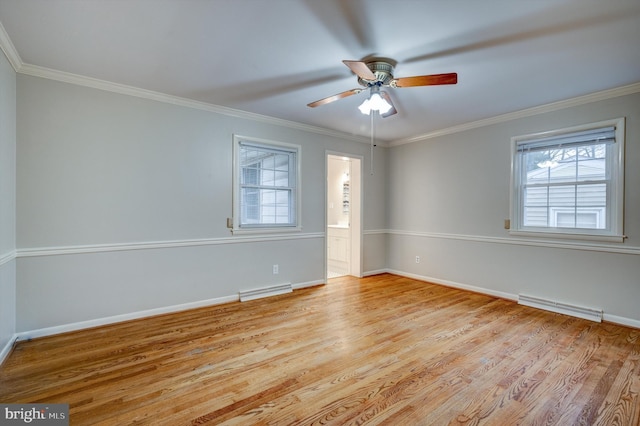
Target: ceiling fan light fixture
(375, 103)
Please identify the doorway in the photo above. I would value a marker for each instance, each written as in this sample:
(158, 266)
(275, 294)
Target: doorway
(343, 216)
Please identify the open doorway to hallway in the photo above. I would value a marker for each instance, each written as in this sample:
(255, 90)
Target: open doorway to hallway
(343, 216)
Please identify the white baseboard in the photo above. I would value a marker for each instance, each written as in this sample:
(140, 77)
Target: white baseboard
(49, 331)
(64, 328)
(627, 322)
(613, 319)
(6, 350)
(308, 284)
(453, 284)
(377, 272)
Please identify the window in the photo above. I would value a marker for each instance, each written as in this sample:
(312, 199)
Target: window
(570, 182)
(266, 185)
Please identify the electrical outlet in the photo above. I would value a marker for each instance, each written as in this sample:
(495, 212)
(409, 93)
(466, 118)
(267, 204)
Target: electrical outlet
(507, 224)
(417, 259)
(275, 269)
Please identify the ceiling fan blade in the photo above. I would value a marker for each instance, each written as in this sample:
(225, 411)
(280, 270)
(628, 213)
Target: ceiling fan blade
(361, 70)
(387, 98)
(334, 98)
(426, 80)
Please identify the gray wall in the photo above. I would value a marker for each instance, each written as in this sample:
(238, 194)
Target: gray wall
(448, 199)
(7, 203)
(122, 205)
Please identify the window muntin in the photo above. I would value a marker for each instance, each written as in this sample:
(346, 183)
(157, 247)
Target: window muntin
(266, 188)
(569, 182)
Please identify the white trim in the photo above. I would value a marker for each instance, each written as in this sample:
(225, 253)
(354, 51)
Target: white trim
(236, 199)
(460, 286)
(615, 194)
(308, 284)
(266, 230)
(375, 231)
(606, 248)
(37, 71)
(64, 328)
(79, 80)
(528, 112)
(6, 350)
(101, 248)
(48, 331)
(357, 232)
(552, 233)
(614, 319)
(7, 257)
(9, 49)
(376, 272)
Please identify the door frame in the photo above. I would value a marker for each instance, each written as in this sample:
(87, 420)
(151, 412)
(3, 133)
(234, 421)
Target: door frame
(355, 234)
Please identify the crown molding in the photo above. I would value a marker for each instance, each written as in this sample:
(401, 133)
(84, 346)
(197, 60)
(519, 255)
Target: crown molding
(554, 106)
(6, 45)
(9, 49)
(80, 80)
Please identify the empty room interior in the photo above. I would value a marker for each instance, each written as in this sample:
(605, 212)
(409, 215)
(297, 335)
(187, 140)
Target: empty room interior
(320, 212)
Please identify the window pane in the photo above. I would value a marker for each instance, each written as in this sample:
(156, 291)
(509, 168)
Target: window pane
(591, 169)
(282, 162)
(249, 176)
(571, 179)
(269, 162)
(281, 178)
(562, 196)
(587, 220)
(536, 196)
(592, 195)
(250, 205)
(547, 204)
(267, 177)
(536, 216)
(564, 169)
(537, 166)
(565, 219)
(263, 172)
(566, 206)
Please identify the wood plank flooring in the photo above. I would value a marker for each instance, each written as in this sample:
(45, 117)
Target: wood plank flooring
(379, 350)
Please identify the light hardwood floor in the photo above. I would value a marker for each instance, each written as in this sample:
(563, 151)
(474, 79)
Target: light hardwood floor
(380, 350)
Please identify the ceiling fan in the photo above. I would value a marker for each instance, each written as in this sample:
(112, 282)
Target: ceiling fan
(378, 73)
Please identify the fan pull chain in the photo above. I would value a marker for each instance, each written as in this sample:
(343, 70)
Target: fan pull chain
(372, 114)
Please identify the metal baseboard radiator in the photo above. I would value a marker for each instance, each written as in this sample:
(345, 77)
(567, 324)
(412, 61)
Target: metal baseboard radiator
(561, 308)
(259, 293)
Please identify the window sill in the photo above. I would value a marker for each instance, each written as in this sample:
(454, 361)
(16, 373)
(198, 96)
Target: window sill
(262, 231)
(569, 236)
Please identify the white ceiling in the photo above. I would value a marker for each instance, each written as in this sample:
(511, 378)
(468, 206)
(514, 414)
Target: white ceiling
(272, 57)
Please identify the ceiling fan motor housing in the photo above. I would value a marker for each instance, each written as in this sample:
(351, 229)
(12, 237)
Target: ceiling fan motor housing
(383, 72)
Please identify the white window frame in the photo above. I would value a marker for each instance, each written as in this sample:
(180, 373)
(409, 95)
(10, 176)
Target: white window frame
(613, 231)
(292, 226)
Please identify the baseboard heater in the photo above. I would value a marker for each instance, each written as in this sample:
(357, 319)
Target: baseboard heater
(259, 293)
(561, 308)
